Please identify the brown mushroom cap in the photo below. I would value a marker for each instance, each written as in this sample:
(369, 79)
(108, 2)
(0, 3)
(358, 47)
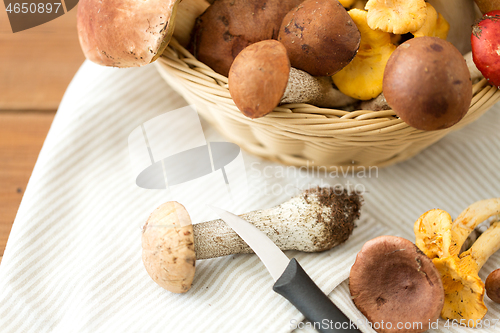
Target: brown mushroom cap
(228, 26)
(394, 282)
(168, 247)
(258, 78)
(493, 285)
(320, 37)
(124, 33)
(427, 83)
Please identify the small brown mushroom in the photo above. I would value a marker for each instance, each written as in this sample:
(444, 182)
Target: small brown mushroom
(228, 26)
(261, 78)
(493, 286)
(393, 282)
(427, 83)
(320, 37)
(313, 221)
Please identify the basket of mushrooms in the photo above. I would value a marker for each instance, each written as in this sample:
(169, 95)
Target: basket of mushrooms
(335, 83)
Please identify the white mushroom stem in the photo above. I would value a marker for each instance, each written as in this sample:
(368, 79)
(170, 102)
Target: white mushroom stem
(319, 91)
(316, 220)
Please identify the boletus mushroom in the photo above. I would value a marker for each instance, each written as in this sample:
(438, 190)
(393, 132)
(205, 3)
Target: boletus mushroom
(260, 78)
(129, 33)
(427, 83)
(228, 26)
(313, 221)
(320, 37)
(393, 282)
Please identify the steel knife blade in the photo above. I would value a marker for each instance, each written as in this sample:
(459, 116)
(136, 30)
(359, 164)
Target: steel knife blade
(291, 281)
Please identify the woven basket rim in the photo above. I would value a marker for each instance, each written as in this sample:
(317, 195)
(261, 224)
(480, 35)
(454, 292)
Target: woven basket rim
(317, 118)
(295, 134)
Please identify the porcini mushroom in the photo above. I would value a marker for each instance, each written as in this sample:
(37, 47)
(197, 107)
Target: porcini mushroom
(314, 221)
(362, 77)
(228, 26)
(396, 16)
(319, 36)
(427, 83)
(260, 78)
(393, 282)
(130, 33)
(492, 286)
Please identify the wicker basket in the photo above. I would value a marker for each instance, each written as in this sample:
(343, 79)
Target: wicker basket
(303, 134)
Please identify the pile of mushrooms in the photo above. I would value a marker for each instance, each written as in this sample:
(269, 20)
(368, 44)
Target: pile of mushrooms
(352, 47)
(441, 239)
(338, 52)
(316, 220)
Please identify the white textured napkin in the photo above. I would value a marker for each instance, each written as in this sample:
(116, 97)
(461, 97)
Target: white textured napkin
(73, 259)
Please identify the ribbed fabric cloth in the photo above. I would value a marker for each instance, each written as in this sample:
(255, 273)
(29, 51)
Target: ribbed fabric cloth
(73, 259)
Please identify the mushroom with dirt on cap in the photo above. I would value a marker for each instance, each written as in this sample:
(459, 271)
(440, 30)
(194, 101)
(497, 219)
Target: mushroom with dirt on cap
(319, 36)
(393, 282)
(316, 220)
(260, 78)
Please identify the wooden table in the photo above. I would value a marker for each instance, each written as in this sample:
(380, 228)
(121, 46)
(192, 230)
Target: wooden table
(36, 66)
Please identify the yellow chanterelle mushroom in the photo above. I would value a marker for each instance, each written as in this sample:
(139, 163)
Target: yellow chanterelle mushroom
(362, 77)
(396, 16)
(442, 240)
(434, 26)
(464, 290)
(433, 233)
(347, 3)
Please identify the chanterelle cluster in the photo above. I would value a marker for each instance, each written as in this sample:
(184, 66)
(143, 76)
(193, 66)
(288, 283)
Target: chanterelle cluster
(441, 240)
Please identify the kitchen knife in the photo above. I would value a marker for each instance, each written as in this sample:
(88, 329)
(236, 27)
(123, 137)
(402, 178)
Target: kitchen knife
(291, 281)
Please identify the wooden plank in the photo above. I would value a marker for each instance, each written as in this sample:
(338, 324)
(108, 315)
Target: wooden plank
(21, 138)
(36, 65)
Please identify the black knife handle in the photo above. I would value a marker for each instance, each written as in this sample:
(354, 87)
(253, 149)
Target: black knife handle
(296, 286)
